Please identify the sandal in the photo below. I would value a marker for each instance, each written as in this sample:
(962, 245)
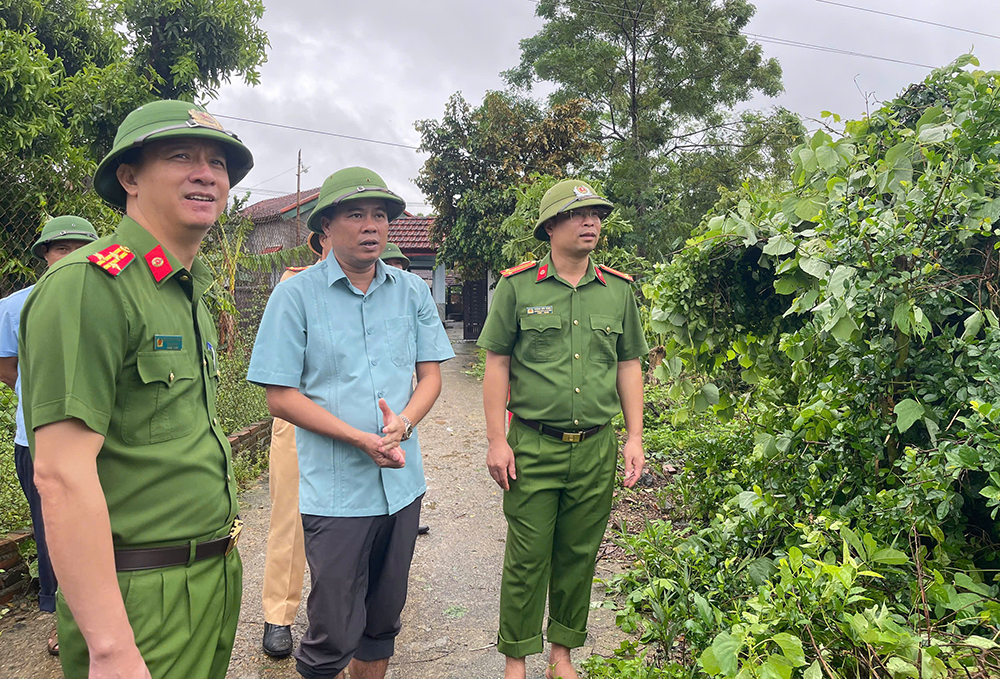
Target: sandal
(53, 642)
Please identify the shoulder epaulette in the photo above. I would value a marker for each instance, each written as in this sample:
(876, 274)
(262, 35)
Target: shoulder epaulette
(613, 272)
(524, 266)
(113, 259)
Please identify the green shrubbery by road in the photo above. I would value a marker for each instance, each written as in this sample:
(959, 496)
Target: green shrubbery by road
(843, 524)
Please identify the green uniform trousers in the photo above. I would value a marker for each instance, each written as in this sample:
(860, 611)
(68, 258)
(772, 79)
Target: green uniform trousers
(557, 511)
(183, 617)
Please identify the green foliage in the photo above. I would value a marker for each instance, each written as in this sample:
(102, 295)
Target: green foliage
(628, 663)
(851, 322)
(478, 369)
(14, 512)
(478, 155)
(660, 78)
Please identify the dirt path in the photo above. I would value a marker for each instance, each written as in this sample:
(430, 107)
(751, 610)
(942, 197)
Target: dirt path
(449, 624)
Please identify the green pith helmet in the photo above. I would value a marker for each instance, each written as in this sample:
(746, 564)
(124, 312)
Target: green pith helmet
(67, 227)
(392, 251)
(315, 244)
(354, 183)
(162, 120)
(568, 195)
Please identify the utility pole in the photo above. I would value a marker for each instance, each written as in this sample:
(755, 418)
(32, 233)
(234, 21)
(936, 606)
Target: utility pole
(298, 198)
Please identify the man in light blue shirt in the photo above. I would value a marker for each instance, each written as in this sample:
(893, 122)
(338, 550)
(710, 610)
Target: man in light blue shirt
(336, 350)
(59, 237)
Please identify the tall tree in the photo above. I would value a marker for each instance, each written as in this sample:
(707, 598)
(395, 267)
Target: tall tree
(478, 157)
(70, 70)
(660, 77)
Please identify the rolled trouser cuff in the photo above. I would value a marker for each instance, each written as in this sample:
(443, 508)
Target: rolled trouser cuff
(557, 633)
(519, 649)
(370, 650)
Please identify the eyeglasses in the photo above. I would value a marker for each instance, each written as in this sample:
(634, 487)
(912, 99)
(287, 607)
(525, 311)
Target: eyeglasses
(585, 213)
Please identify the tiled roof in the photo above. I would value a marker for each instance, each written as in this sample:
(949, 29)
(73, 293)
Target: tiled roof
(272, 207)
(412, 233)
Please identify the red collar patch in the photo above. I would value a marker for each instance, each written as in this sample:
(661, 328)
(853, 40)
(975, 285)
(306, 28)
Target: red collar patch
(112, 259)
(600, 276)
(543, 271)
(158, 263)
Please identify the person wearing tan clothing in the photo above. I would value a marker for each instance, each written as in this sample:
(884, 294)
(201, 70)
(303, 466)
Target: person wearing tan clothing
(285, 563)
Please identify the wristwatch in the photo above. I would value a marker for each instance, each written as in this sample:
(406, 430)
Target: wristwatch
(408, 432)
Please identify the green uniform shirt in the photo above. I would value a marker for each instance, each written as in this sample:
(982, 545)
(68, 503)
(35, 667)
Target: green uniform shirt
(135, 359)
(564, 342)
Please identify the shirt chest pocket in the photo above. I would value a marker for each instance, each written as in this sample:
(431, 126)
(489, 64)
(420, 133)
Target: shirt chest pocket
(402, 340)
(162, 403)
(541, 336)
(605, 331)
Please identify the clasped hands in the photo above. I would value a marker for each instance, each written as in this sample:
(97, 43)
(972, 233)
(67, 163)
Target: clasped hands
(385, 450)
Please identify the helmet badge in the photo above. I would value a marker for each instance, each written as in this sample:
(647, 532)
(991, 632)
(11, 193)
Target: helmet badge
(203, 119)
(582, 191)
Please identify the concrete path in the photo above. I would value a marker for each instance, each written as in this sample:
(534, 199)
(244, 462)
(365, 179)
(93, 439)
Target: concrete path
(449, 624)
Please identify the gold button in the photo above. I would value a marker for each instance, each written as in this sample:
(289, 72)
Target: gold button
(227, 478)
(576, 421)
(215, 421)
(576, 356)
(577, 390)
(184, 278)
(576, 322)
(171, 378)
(204, 361)
(607, 329)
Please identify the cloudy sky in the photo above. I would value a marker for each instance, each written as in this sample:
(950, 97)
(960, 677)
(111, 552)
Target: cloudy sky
(342, 68)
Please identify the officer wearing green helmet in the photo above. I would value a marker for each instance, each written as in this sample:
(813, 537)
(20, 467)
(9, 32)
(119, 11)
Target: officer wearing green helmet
(59, 237)
(336, 351)
(121, 376)
(393, 256)
(563, 339)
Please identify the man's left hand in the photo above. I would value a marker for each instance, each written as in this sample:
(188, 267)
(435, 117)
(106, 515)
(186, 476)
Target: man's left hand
(635, 460)
(393, 427)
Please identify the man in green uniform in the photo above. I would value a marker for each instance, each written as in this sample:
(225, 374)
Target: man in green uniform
(563, 338)
(121, 372)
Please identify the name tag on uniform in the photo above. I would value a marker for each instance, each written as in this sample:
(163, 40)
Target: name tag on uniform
(532, 310)
(168, 343)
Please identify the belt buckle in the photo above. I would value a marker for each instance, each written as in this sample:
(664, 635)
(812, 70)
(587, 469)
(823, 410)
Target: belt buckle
(234, 535)
(572, 436)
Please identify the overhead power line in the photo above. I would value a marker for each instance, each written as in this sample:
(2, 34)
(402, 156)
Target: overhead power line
(909, 18)
(323, 132)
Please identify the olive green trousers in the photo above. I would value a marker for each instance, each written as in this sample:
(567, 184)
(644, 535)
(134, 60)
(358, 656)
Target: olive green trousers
(557, 511)
(183, 617)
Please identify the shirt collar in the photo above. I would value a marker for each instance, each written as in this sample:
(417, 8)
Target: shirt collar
(159, 262)
(546, 270)
(382, 272)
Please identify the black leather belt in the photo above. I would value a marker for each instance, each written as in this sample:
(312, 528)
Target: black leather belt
(178, 555)
(566, 436)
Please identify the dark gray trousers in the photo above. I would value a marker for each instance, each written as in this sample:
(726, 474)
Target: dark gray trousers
(359, 568)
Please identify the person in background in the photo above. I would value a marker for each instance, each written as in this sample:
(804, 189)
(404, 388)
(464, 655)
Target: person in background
(59, 237)
(563, 339)
(285, 561)
(336, 351)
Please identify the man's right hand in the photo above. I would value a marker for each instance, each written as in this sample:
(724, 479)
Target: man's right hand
(500, 460)
(394, 458)
(127, 664)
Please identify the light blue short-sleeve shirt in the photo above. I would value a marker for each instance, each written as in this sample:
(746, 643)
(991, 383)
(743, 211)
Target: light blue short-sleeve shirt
(10, 321)
(344, 350)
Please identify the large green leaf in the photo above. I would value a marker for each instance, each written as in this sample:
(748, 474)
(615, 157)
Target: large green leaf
(809, 208)
(908, 412)
(776, 667)
(844, 329)
(726, 650)
(816, 268)
(827, 158)
(778, 245)
(791, 647)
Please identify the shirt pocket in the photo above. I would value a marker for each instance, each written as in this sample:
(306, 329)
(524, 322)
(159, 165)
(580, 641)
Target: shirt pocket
(605, 331)
(402, 340)
(541, 334)
(162, 403)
